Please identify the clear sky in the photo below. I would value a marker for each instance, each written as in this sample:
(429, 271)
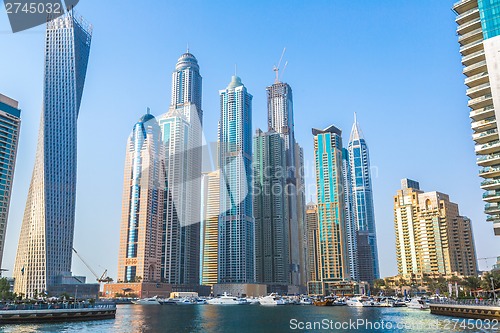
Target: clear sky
(396, 63)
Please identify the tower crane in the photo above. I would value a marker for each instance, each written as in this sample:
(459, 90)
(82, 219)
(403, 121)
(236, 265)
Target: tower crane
(103, 278)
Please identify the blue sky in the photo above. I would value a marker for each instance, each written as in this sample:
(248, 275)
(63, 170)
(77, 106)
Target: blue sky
(396, 63)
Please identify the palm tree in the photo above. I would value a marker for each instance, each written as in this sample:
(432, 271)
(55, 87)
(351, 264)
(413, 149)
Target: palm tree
(472, 283)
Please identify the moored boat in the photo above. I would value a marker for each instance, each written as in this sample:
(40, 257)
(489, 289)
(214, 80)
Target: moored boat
(147, 301)
(227, 300)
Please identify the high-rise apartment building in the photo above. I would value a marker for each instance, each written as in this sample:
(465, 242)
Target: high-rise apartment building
(45, 245)
(431, 235)
(333, 258)
(363, 211)
(236, 261)
(350, 218)
(140, 254)
(313, 273)
(181, 130)
(280, 120)
(301, 211)
(479, 38)
(10, 124)
(270, 209)
(210, 228)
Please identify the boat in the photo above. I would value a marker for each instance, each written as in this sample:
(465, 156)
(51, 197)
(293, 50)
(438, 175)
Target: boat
(252, 300)
(56, 312)
(272, 299)
(168, 301)
(384, 302)
(306, 301)
(147, 301)
(360, 301)
(324, 302)
(185, 301)
(398, 304)
(418, 303)
(227, 300)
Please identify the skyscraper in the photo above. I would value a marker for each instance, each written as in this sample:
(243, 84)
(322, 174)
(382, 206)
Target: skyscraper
(364, 216)
(479, 38)
(236, 222)
(270, 209)
(182, 134)
(333, 258)
(280, 120)
(350, 219)
(139, 257)
(301, 212)
(210, 228)
(313, 273)
(10, 123)
(431, 236)
(46, 240)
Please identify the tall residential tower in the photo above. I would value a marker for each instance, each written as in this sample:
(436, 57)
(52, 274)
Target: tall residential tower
(10, 123)
(479, 38)
(236, 259)
(46, 240)
(363, 211)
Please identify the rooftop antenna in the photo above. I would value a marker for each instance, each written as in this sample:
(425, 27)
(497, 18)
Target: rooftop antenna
(187, 48)
(276, 69)
(355, 118)
(235, 69)
(148, 110)
(283, 70)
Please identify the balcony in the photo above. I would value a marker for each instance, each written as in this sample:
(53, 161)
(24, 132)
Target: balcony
(471, 48)
(473, 58)
(488, 148)
(490, 184)
(484, 125)
(490, 172)
(491, 196)
(488, 160)
(484, 137)
(478, 79)
(491, 208)
(462, 6)
(471, 37)
(483, 113)
(469, 26)
(477, 68)
(480, 102)
(481, 90)
(493, 218)
(468, 15)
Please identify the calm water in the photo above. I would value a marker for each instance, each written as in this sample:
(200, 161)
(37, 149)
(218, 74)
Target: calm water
(255, 318)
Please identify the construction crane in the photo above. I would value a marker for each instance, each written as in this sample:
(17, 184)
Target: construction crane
(103, 278)
(486, 260)
(276, 69)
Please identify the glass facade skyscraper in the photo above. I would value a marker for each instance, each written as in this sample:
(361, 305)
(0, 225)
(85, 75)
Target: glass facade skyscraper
(350, 222)
(181, 130)
(270, 209)
(46, 240)
(333, 257)
(479, 38)
(139, 257)
(362, 197)
(10, 123)
(236, 259)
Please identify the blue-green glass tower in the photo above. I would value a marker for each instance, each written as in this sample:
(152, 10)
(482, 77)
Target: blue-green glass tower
(363, 211)
(236, 222)
(10, 123)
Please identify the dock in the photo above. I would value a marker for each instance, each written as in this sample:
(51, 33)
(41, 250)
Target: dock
(472, 311)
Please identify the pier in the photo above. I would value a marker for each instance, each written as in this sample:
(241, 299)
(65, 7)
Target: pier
(471, 309)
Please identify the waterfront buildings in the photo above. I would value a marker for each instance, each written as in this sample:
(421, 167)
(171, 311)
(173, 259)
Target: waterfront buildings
(181, 130)
(350, 218)
(10, 123)
(280, 120)
(479, 38)
(313, 273)
(333, 257)
(236, 223)
(46, 239)
(270, 209)
(431, 236)
(139, 258)
(362, 206)
(210, 228)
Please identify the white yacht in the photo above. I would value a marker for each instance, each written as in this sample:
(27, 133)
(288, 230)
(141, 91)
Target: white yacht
(271, 299)
(227, 300)
(418, 303)
(360, 301)
(147, 301)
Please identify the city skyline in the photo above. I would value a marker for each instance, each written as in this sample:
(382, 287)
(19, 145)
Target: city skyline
(306, 143)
